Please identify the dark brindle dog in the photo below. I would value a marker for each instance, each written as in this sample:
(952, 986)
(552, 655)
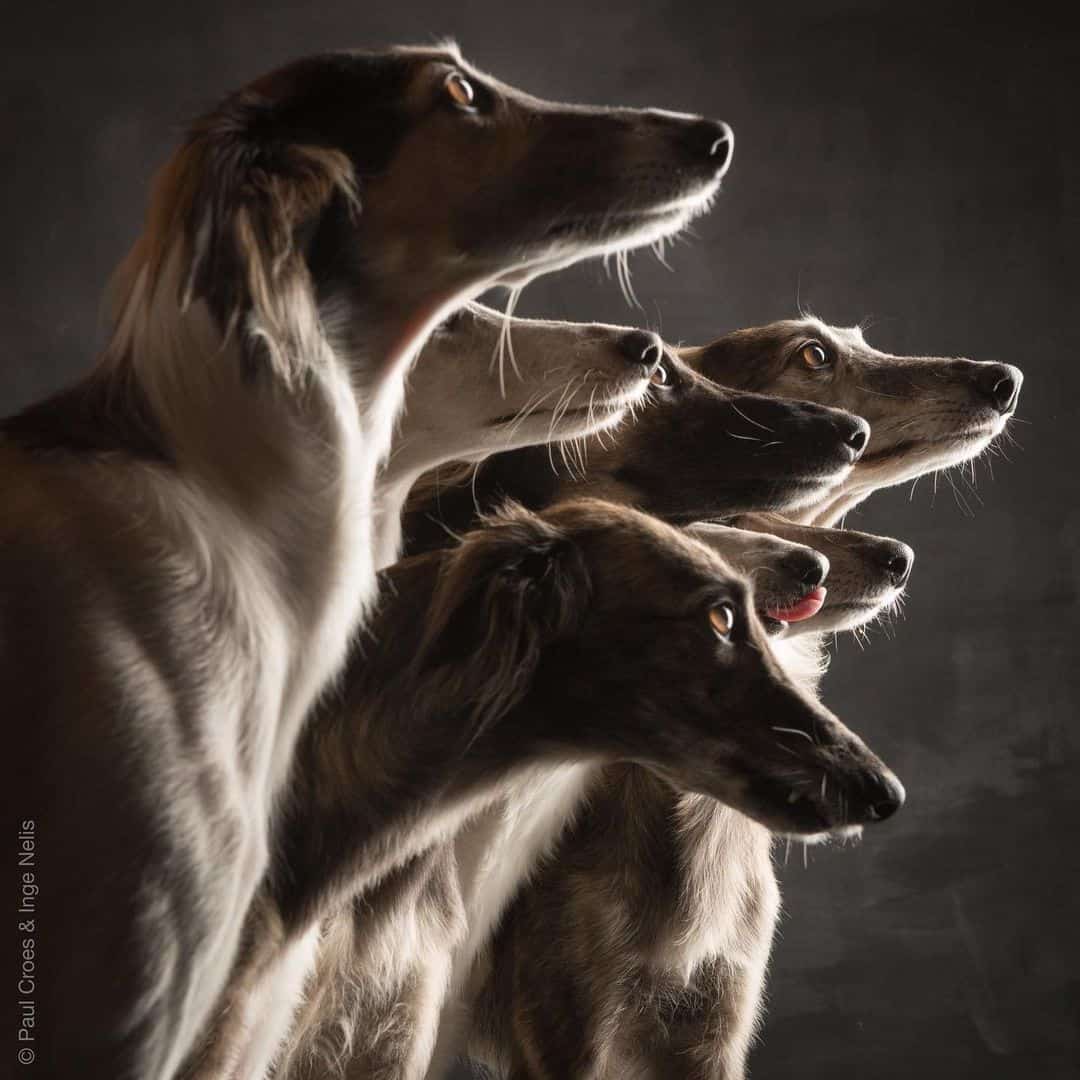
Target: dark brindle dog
(533, 643)
(640, 949)
(186, 538)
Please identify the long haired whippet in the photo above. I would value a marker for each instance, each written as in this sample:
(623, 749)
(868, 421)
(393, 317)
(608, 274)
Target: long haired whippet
(640, 948)
(186, 540)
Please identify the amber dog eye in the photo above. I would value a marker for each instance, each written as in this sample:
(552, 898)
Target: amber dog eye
(722, 620)
(460, 90)
(814, 356)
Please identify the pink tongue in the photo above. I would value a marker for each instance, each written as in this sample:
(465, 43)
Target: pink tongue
(806, 608)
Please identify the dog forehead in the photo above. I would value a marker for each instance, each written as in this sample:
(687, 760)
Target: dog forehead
(735, 544)
(710, 562)
(346, 78)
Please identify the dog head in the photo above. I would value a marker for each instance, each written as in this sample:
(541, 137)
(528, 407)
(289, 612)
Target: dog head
(618, 637)
(788, 578)
(926, 413)
(559, 381)
(364, 194)
(702, 450)
(867, 577)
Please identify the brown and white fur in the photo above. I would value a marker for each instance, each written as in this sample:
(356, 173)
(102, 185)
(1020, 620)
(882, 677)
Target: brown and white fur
(927, 413)
(594, 687)
(640, 948)
(569, 380)
(186, 542)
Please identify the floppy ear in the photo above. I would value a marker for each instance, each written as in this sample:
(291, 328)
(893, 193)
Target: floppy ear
(227, 207)
(506, 592)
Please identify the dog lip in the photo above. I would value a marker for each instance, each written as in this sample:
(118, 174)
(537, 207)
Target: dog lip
(957, 438)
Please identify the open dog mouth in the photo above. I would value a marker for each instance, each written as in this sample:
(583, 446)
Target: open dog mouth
(806, 607)
(777, 614)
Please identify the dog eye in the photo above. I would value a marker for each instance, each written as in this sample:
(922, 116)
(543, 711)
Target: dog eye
(660, 376)
(814, 356)
(460, 90)
(722, 620)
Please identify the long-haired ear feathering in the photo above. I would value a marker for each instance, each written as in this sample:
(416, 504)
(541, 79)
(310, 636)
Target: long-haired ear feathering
(221, 228)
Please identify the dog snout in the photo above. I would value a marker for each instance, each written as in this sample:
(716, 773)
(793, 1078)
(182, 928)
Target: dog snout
(720, 140)
(702, 141)
(642, 348)
(806, 566)
(882, 795)
(897, 559)
(999, 384)
(855, 434)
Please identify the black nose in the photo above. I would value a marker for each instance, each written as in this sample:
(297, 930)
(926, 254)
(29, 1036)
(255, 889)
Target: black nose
(712, 140)
(807, 567)
(898, 560)
(855, 432)
(884, 795)
(641, 347)
(999, 384)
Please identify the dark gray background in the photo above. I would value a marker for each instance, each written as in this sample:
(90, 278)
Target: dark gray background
(912, 165)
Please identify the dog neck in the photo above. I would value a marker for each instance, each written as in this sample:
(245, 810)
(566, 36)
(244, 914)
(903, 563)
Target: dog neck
(276, 467)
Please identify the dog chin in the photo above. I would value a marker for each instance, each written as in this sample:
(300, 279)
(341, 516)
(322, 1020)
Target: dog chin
(658, 225)
(847, 615)
(908, 462)
(841, 832)
(619, 235)
(813, 490)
